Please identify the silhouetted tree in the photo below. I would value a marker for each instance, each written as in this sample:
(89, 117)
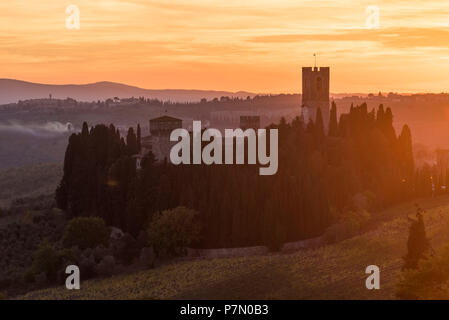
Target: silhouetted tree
(417, 244)
(319, 125)
(333, 125)
(131, 142)
(85, 130)
(139, 138)
(236, 206)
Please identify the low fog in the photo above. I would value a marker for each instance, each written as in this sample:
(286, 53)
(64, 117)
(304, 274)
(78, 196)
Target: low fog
(47, 129)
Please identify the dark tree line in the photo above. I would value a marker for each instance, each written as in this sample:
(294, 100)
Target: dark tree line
(237, 206)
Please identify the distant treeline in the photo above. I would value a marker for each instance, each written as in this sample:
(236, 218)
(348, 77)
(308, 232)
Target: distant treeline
(273, 98)
(262, 100)
(318, 176)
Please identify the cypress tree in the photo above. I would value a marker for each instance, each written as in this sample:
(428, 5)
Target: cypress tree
(406, 152)
(333, 125)
(85, 130)
(388, 126)
(139, 146)
(380, 115)
(131, 142)
(417, 244)
(319, 125)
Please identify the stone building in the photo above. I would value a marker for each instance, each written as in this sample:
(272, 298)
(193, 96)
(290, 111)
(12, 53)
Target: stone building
(315, 93)
(158, 142)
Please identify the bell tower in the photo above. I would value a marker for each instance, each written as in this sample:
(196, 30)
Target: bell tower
(315, 93)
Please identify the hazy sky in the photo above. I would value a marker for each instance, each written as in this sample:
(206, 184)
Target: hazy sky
(254, 45)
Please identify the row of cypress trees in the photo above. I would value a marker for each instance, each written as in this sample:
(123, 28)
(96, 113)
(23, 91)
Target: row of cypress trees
(238, 207)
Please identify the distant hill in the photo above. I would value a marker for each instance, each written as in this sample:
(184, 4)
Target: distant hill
(14, 90)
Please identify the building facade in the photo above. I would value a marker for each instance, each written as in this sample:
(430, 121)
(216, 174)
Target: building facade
(158, 142)
(315, 93)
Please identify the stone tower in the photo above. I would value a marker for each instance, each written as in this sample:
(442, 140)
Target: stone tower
(315, 93)
(160, 130)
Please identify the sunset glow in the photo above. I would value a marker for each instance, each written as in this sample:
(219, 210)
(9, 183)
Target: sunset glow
(255, 45)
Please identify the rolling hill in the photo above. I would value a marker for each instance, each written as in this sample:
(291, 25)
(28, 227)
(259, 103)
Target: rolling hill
(334, 271)
(12, 91)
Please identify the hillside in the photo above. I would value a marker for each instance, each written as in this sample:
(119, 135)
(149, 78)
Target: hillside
(14, 90)
(28, 181)
(331, 272)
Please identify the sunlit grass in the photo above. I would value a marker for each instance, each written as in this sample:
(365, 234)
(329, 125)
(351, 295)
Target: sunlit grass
(331, 272)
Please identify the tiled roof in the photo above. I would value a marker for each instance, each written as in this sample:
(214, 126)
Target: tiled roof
(165, 118)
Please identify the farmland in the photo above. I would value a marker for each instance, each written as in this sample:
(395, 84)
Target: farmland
(334, 271)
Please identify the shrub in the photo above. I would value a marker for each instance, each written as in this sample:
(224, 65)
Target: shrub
(172, 230)
(127, 249)
(29, 276)
(86, 232)
(147, 257)
(100, 252)
(429, 281)
(351, 223)
(106, 266)
(46, 260)
(87, 265)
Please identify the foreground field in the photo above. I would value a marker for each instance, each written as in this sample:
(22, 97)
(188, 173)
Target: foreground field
(331, 272)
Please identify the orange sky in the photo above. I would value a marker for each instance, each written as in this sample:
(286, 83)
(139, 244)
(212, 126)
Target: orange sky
(253, 45)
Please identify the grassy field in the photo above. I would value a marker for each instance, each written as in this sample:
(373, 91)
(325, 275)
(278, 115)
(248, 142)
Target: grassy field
(332, 272)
